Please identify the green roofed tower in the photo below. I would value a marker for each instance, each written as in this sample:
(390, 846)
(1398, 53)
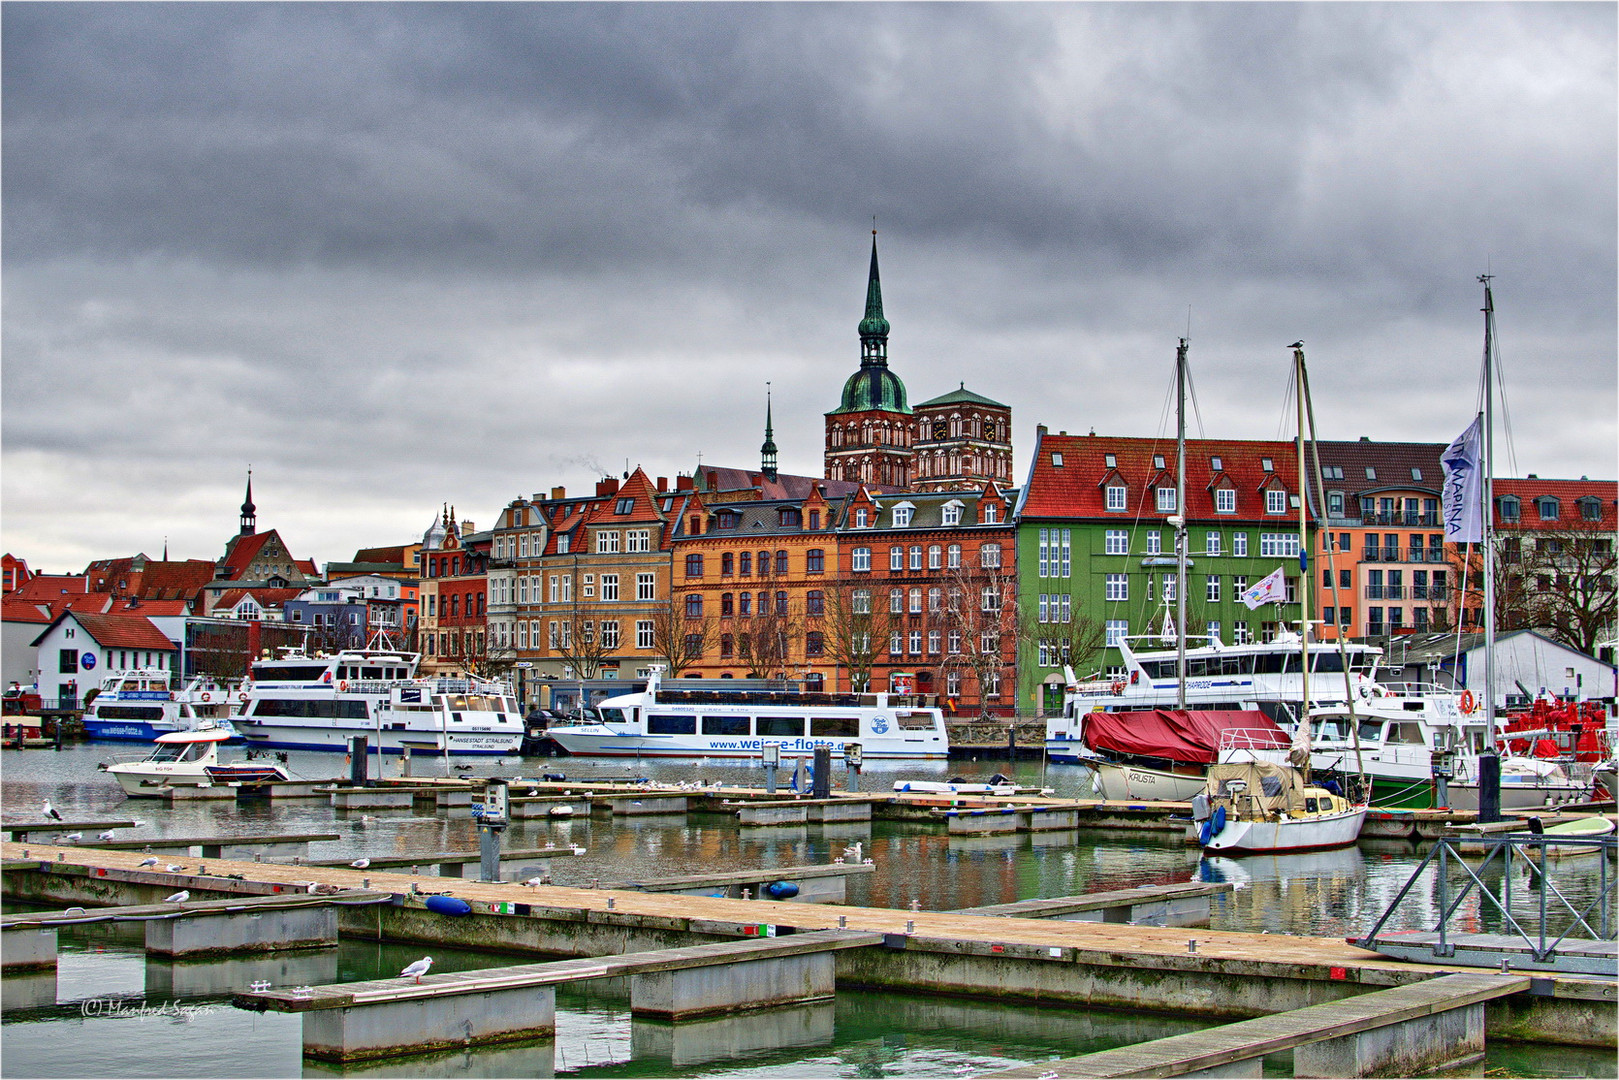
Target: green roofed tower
(869, 434)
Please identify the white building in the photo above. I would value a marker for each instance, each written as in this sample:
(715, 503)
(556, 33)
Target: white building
(78, 650)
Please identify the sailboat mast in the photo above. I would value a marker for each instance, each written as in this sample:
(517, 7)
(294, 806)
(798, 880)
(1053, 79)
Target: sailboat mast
(1304, 547)
(1180, 528)
(1488, 509)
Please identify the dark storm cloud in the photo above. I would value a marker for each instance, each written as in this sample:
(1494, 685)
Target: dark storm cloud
(404, 254)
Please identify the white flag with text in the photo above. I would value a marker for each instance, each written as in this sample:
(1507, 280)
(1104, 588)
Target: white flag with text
(1272, 588)
(1463, 496)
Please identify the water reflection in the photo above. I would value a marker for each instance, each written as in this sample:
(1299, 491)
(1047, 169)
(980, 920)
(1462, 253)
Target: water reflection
(166, 979)
(694, 1042)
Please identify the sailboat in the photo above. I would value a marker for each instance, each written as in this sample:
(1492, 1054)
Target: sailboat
(1251, 805)
(1432, 757)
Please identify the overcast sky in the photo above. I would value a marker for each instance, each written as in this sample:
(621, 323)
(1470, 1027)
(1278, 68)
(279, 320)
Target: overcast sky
(394, 256)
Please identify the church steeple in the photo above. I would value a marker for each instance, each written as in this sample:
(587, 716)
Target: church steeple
(767, 452)
(249, 511)
(874, 328)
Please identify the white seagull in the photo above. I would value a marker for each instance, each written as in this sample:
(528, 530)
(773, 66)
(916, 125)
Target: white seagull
(418, 969)
(50, 811)
(360, 864)
(150, 860)
(74, 836)
(108, 835)
(178, 898)
(175, 868)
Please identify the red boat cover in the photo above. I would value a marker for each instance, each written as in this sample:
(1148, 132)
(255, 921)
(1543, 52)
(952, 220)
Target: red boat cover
(1180, 736)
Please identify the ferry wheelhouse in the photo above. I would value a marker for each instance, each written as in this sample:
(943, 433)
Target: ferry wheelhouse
(661, 721)
(302, 702)
(138, 706)
(1263, 676)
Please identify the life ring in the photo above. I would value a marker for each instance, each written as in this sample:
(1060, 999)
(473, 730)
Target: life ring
(343, 686)
(1118, 686)
(1468, 703)
(241, 696)
(206, 697)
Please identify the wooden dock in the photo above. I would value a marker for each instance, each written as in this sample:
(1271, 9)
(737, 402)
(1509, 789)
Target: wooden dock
(1113, 965)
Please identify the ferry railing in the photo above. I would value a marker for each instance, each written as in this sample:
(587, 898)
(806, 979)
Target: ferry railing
(1507, 849)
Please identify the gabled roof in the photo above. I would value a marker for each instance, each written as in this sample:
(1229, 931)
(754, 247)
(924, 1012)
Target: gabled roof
(116, 631)
(264, 598)
(46, 588)
(17, 610)
(1568, 493)
(1076, 488)
(961, 396)
(716, 480)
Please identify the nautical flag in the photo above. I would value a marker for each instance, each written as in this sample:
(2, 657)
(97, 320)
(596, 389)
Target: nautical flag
(1462, 499)
(1273, 587)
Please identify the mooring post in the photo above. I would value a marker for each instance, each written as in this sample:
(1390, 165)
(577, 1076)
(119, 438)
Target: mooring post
(772, 760)
(821, 787)
(1489, 787)
(852, 756)
(358, 745)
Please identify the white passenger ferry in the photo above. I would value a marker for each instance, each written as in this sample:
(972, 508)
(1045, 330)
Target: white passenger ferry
(1266, 676)
(301, 702)
(137, 706)
(664, 722)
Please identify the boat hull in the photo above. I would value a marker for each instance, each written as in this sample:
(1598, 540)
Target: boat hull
(336, 740)
(595, 741)
(1271, 837)
(1118, 783)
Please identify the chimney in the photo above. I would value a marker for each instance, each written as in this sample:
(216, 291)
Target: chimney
(559, 493)
(663, 483)
(684, 483)
(606, 486)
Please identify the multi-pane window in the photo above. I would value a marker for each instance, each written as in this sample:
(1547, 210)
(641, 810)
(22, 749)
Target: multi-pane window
(607, 542)
(989, 556)
(1212, 630)
(1116, 630)
(1115, 497)
(933, 642)
(1166, 500)
(694, 605)
(915, 643)
(1278, 545)
(896, 643)
(896, 558)
(1240, 634)
(744, 604)
(860, 558)
(1155, 542)
(935, 556)
(727, 605)
(1225, 500)
(609, 587)
(952, 513)
(815, 561)
(915, 556)
(638, 540)
(1116, 542)
(860, 602)
(1239, 544)
(781, 603)
(744, 564)
(1275, 501)
(935, 597)
(953, 557)
(646, 587)
(814, 643)
(954, 644)
(1118, 587)
(1211, 588)
(814, 602)
(990, 598)
(643, 633)
(896, 601)
(781, 564)
(1239, 584)
(914, 601)
(1211, 544)
(902, 516)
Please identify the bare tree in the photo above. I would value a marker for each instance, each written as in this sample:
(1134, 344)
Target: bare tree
(1569, 586)
(768, 649)
(680, 636)
(1076, 642)
(855, 628)
(985, 626)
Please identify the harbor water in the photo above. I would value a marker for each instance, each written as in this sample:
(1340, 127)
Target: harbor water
(115, 1013)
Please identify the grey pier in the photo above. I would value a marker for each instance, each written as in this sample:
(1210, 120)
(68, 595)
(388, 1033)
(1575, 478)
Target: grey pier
(218, 847)
(383, 1017)
(1411, 1030)
(1186, 904)
(816, 884)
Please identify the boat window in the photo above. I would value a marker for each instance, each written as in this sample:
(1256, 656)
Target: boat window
(781, 725)
(1405, 733)
(834, 726)
(1329, 662)
(725, 725)
(331, 709)
(1332, 729)
(129, 712)
(1326, 804)
(669, 724)
(1371, 730)
(196, 751)
(371, 673)
(288, 672)
(1268, 663)
(915, 721)
(167, 752)
(456, 717)
(1309, 806)
(612, 716)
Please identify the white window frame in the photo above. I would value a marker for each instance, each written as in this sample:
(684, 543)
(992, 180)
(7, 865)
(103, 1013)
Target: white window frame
(1116, 497)
(1166, 500)
(1225, 500)
(646, 587)
(607, 542)
(1116, 587)
(1116, 542)
(609, 588)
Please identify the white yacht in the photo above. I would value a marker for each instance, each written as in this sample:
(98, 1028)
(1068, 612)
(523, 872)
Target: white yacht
(188, 759)
(302, 702)
(137, 706)
(664, 722)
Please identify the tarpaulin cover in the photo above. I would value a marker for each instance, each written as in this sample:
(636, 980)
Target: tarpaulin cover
(1189, 736)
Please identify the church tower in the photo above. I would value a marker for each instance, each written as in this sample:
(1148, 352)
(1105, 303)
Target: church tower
(767, 452)
(869, 434)
(249, 511)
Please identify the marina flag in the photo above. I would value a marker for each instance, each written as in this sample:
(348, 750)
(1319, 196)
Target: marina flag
(1462, 498)
(1273, 587)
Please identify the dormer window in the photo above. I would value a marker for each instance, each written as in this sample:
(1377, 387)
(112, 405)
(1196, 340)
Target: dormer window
(1056, 459)
(1548, 508)
(1225, 500)
(1590, 508)
(952, 512)
(1115, 497)
(990, 513)
(625, 506)
(1509, 508)
(861, 518)
(1166, 500)
(902, 515)
(1275, 501)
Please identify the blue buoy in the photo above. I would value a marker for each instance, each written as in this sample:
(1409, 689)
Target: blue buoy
(781, 890)
(448, 905)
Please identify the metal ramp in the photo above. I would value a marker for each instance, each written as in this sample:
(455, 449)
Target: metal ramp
(1563, 936)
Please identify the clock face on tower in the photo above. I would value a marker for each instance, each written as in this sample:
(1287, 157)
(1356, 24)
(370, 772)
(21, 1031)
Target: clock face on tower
(989, 431)
(940, 429)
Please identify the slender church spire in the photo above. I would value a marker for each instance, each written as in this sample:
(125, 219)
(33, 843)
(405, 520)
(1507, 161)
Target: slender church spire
(874, 328)
(767, 452)
(249, 511)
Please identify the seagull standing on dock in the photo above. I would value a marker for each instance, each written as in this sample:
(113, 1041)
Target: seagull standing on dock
(150, 860)
(417, 970)
(178, 898)
(175, 868)
(108, 835)
(50, 811)
(74, 836)
(360, 864)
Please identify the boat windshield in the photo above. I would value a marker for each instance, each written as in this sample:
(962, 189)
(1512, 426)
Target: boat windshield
(180, 752)
(1371, 730)
(608, 716)
(1330, 728)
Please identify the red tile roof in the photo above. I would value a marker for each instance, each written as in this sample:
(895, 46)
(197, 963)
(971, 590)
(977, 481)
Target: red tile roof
(44, 588)
(14, 609)
(1076, 488)
(1568, 493)
(123, 631)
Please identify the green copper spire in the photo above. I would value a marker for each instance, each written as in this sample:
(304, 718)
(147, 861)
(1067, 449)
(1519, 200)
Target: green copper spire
(874, 328)
(767, 452)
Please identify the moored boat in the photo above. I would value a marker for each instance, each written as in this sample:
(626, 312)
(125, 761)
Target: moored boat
(188, 759)
(1251, 807)
(138, 706)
